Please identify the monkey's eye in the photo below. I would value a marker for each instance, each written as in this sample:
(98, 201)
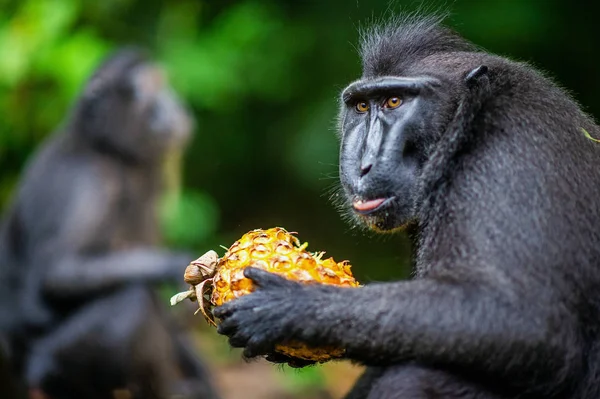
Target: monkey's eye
(393, 102)
(362, 107)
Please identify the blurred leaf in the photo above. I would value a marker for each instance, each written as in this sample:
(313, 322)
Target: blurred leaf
(36, 24)
(188, 218)
(220, 65)
(502, 23)
(73, 59)
(313, 150)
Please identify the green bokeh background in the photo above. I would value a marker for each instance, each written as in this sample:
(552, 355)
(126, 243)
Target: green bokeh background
(262, 78)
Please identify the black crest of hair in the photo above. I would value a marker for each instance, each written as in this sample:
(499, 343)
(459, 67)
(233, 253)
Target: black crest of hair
(391, 48)
(490, 164)
(81, 250)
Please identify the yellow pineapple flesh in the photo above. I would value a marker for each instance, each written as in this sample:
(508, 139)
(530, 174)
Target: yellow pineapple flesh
(278, 251)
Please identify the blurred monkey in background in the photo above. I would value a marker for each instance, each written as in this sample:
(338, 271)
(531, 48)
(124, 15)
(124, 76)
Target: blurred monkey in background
(80, 247)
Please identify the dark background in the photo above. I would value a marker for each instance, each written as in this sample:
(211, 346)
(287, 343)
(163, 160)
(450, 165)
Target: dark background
(262, 78)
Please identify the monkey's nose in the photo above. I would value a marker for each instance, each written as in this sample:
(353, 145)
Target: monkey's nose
(364, 169)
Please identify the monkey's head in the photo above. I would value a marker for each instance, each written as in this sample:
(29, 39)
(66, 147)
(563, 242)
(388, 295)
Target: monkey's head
(129, 109)
(391, 119)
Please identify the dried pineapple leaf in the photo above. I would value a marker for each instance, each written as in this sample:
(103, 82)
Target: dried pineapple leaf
(181, 296)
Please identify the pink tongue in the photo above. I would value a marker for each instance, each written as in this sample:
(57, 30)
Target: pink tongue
(368, 205)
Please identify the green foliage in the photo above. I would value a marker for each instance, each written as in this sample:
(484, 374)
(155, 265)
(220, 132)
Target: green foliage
(316, 140)
(43, 61)
(218, 65)
(36, 24)
(189, 218)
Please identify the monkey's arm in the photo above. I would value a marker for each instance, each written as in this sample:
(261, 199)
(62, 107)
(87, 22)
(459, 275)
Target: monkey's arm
(465, 325)
(73, 244)
(74, 274)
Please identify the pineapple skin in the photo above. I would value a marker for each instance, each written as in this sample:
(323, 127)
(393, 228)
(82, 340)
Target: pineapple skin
(277, 251)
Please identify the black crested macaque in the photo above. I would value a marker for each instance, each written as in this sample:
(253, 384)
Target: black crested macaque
(491, 166)
(80, 248)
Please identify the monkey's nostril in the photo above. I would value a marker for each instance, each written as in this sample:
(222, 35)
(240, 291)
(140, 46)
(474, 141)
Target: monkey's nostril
(364, 169)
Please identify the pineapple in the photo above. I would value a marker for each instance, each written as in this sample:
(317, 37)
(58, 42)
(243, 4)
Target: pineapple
(274, 250)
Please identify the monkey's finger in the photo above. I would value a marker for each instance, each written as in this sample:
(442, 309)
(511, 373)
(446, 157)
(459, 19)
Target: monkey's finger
(255, 348)
(265, 279)
(276, 357)
(223, 311)
(238, 341)
(227, 327)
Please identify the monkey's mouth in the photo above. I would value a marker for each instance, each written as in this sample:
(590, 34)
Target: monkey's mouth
(368, 207)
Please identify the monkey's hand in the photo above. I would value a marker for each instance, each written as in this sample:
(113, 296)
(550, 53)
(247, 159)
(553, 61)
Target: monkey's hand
(278, 311)
(290, 361)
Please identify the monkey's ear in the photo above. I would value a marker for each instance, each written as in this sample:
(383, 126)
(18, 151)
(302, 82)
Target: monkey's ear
(474, 75)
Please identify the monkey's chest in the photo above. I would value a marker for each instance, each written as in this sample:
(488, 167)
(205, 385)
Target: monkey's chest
(134, 217)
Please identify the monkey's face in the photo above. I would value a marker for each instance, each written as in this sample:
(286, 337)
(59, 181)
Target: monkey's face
(388, 127)
(129, 107)
(167, 121)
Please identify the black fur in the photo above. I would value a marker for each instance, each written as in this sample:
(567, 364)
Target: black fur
(488, 162)
(80, 247)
